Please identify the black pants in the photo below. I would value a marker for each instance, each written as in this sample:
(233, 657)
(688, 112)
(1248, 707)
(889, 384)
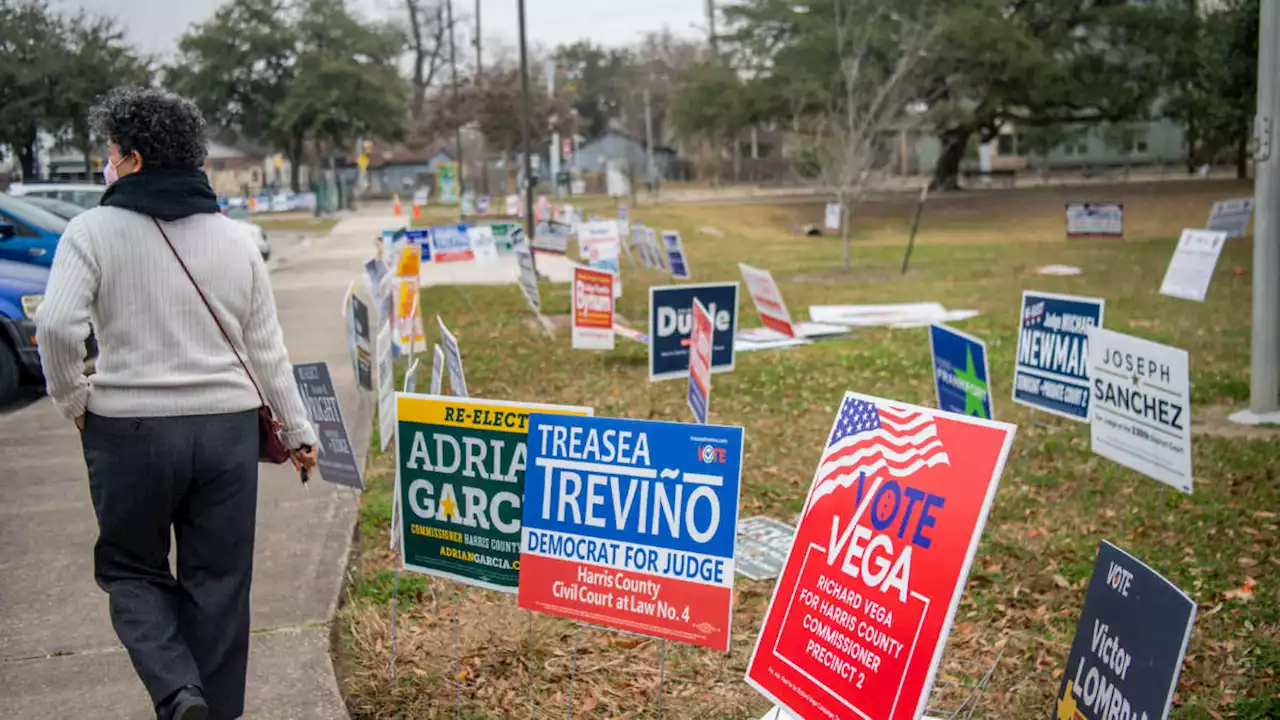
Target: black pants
(198, 475)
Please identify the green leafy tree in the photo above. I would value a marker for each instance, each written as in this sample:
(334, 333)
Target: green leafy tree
(713, 104)
(239, 67)
(1212, 77)
(53, 68)
(594, 80)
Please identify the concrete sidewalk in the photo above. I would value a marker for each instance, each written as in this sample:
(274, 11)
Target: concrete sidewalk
(59, 657)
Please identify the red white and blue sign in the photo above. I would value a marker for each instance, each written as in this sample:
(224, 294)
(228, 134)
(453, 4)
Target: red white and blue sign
(700, 363)
(960, 372)
(1052, 370)
(675, 254)
(862, 609)
(451, 243)
(631, 524)
(421, 238)
(671, 327)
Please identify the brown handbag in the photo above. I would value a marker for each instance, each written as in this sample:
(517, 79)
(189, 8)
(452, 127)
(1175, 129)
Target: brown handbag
(271, 447)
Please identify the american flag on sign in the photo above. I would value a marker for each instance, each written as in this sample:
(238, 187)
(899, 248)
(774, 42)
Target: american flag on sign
(889, 441)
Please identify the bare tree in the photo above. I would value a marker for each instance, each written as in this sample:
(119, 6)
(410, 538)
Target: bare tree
(848, 141)
(428, 32)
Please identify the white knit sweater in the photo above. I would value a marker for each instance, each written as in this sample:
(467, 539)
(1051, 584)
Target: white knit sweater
(160, 354)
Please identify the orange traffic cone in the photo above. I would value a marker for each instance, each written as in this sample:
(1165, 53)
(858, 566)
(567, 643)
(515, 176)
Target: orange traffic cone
(395, 200)
(417, 210)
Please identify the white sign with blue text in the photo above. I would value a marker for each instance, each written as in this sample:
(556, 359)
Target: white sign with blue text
(1140, 413)
(1052, 368)
(631, 524)
(675, 255)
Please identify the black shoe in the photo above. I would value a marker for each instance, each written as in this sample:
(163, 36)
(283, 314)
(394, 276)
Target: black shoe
(186, 704)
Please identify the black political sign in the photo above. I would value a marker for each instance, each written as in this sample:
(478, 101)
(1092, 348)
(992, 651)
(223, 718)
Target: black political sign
(1129, 645)
(363, 342)
(336, 458)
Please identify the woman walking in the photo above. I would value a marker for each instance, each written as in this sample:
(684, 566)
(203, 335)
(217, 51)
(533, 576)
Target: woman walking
(189, 350)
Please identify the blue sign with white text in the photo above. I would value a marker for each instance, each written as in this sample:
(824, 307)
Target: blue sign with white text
(960, 372)
(1129, 645)
(1052, 369)
(647, 482)
(671, 325)
(421, 238)
(675, 254)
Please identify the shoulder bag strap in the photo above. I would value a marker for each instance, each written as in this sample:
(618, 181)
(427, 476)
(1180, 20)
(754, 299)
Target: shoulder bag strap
(209, 307)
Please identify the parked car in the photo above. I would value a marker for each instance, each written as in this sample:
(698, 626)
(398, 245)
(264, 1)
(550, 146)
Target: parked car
(21, 291)
(27, 233)
(61, 208)
(86, 196)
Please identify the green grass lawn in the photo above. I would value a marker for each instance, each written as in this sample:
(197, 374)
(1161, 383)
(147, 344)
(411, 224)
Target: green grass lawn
(1055, 503)
(297, 223)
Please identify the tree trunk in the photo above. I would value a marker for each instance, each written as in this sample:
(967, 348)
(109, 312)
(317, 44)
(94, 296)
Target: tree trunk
(946, 175)
(294, 153)
(844, 230)
(27, 157)
(1242, 154)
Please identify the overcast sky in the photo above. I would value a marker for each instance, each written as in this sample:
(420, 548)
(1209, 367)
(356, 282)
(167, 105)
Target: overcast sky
(155, 25)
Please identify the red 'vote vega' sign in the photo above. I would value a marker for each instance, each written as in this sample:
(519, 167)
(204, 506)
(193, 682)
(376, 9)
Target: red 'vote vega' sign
(860, 614)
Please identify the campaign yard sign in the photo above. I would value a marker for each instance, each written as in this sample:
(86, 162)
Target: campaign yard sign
(453, 360)
(630, 524)
(960, 372)
(860, 615)
(437, 369)
(335, 457)
(507, 236)
(421, 240)
(1140, 414)
(529, 279)
(484, 245)
(1052, 370)
(512, 206)
(700, 362)
(362, 335)
(1095, 220)
(768, 300)
(1191, 267)
(1231, 216)
(675, 255)
(451, 243)
(604, 256)
(598, 232)
(482, 205)
(551, 237)
(763, 545)
(655, 250)
(671, 325)
(386, 387)
(832, 219)
(1129, 645)
(460, 477)
(592, 309)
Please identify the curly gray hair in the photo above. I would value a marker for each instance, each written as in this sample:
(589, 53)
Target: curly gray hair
(166, 129)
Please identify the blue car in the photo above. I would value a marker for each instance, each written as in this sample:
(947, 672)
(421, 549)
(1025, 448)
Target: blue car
(21, 290)
(28, 234)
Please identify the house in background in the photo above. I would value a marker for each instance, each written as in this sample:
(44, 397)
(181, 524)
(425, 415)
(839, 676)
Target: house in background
(629, 152)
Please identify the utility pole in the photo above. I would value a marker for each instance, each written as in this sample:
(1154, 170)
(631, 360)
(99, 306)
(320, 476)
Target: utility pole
(1264, 395)
(711, 28)
(479, 65)
(524, 141)
(648, 140)
(457, 131)
(484, 149)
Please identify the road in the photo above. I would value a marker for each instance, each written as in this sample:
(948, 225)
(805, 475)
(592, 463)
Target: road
(59, 657)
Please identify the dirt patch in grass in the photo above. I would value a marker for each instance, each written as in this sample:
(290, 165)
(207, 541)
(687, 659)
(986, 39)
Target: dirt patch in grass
(1056, 500)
